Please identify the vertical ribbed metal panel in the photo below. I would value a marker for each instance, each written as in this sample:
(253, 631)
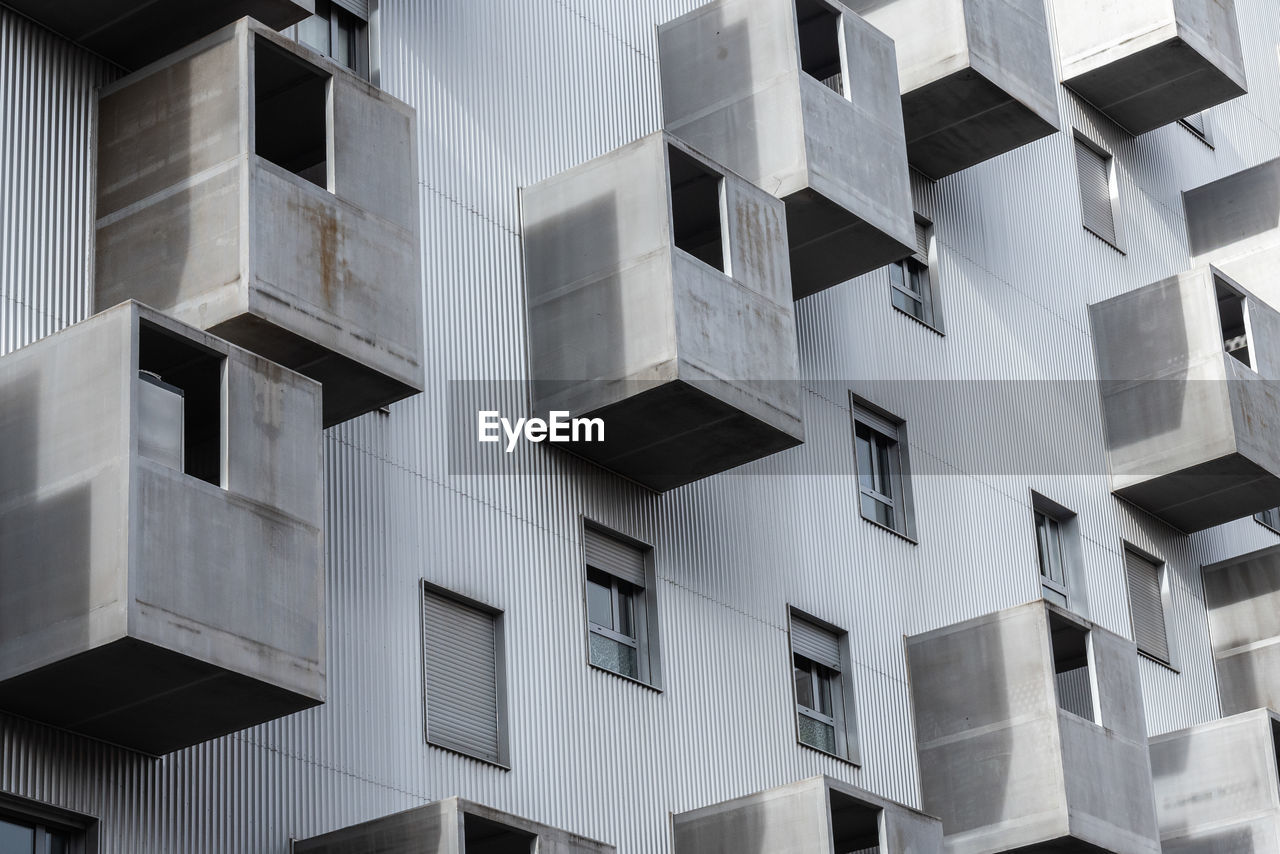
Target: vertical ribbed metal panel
(47, 106)
(509, 93)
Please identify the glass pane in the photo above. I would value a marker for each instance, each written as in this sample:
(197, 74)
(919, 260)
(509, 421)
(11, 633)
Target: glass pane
(910, 305)
(599, 604)
(804, 683)
(863, 443)
(314, 33)
(817, 734)
(824, 692)
(881, 454)
(895, 274)
(610, 655)
(16, 839)
(915, 280)
(626, 612)
(59, 843)
(344, 40)
(877, 511)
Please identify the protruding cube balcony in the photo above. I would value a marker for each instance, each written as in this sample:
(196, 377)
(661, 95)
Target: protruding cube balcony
(659, 301)
(1234, 224)
(815, 816)
(801, 98)
(1217, 786)
(1031, 736)
(132, 33)
(1242, 596)
(451, 826)
(977, 77)
(1189, 411)
(161, 564)
(1147, 63)
(254, 189)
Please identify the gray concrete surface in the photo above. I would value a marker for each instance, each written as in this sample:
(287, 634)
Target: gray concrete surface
(1242, 597)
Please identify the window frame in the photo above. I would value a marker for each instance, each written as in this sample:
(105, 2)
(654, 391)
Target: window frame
(502, 708)
(362, 42)
(1162, 577)
(1116, 242)
(1261, 519)
(82, 829)
(644, 608)
(893, 431)
(843, 718)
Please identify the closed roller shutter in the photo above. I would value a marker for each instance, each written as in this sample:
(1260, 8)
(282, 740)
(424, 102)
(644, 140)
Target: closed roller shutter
(462, 677)
(359, 8)
(619, 559)
(1095, 192)
(815, 643)
(1146, 605)
(922, 239)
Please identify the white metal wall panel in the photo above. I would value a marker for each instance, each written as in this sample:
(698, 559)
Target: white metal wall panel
(509, 93)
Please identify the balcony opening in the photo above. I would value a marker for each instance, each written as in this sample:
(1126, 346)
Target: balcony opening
(1275, 740)
(1233, 314)
(1072, 679)
(855, 826)
(696, 204)
(291, 126)
(180, 403)
(482, 836)
(818, 28)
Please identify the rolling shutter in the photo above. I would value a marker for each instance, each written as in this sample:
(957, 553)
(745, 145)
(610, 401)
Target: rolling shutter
(1146, 605)
(619, 559)
(815, 643)
(922, 239)
(1195, 121)
(1095, 191)
(359, 8)
(462, 677)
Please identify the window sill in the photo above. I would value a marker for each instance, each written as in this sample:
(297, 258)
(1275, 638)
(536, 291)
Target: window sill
(835, 756)
(1104, 240)
(502, 766)
(625, 678)
(1160, 661)
(935, 330)
(893, 531)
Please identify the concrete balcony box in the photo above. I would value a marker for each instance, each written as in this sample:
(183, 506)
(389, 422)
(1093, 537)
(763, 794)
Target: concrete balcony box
(1031, 736)
(161, 570)
(132, 33)
(254, 189)
(977, 77)
(1185, 369)
(799, 97)
(659, 300)
(1147, 63)
(451, 826)
(815, 816)
(1233, 223)
(1242, 596)
(1218, 787)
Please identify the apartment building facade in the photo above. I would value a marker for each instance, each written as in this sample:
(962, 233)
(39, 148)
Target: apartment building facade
(933, 340)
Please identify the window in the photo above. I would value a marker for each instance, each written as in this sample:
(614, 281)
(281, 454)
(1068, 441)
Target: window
(697, 220)
(1146, 604)
(621, 612)
(340, 31)
(911, 285)
(291, 128)
(1095, 169)
(883, 475)
(1073, 680)
(180, 421)
(1270, 518)
(824, 708)
(819, 30)
(1055, 552)
(465, 676)
(31, 828)
(1233, 316)
(1198, 125)
(32, 839)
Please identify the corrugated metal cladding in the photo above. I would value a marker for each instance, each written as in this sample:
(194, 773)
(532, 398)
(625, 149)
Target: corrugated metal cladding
(508, 93)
